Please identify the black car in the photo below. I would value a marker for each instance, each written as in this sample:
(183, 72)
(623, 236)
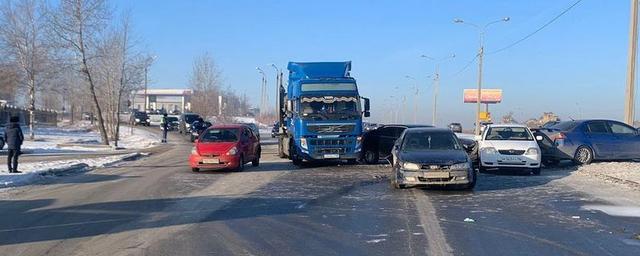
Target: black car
(431, 156)
(455, 127)
(377, 144)
(140, 118)
(173, 123)
(186, 119)
(1, 137)
(197, 128)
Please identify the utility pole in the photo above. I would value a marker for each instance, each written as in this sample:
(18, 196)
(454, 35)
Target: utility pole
(436, 84)
(481, 31)
(415, 112)
(262, 91)
(629, 103)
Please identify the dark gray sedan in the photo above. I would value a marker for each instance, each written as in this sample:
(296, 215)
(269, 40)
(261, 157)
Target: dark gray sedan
(431, 156)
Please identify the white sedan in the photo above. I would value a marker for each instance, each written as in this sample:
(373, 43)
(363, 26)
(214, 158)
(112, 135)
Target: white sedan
(509, 146)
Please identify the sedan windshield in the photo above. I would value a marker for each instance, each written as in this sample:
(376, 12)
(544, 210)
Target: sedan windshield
(508, 133)
(220, 135)
(425, 141)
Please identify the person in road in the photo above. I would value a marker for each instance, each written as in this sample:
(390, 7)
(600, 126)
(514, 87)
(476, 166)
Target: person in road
(13, 137)
(165, 127)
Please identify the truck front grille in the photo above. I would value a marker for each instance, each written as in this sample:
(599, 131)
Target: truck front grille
(330, 142)
(331, 128)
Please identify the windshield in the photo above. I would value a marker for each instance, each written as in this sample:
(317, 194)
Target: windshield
(190, 118)
(508, 133)
(346, 108)
(220, 135)
(426, 141)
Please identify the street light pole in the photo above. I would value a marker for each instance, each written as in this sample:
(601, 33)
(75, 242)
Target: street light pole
(481, 31)
(262, 91)
(629, 105)
(415, 86)
(436, 84)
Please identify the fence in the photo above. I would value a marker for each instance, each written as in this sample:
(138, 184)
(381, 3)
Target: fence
(42, 116)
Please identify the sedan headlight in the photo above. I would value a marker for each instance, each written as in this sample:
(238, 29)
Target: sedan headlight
(411, 166)
(460, 166)
(489, 150)
(303, 143)
(137, 119)
(232, 152)
(532, 151)
(194, 151)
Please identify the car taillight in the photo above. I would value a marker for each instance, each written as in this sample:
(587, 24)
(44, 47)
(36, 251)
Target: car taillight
(560, 136)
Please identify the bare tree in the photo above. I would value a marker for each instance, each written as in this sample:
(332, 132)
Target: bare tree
(79, 24)
(205, 81)
(26, 42)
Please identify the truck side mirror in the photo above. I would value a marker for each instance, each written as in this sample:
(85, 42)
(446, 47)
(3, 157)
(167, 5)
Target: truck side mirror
(367, 107)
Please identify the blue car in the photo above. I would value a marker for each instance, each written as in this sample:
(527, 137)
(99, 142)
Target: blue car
(584, 141)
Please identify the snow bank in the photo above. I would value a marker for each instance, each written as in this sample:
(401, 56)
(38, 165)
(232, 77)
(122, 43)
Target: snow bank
(35, 171)
(625, 173)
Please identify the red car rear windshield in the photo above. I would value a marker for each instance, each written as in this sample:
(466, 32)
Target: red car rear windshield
(220, 135)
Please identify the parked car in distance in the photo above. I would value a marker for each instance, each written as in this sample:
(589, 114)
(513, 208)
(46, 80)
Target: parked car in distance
(140, 118)
(584, 141)
(509, 146)
(197, 127)
(377, 144)
(225, 147)
(455, 127)
(431, 156)
(186, 119)
(173, 125)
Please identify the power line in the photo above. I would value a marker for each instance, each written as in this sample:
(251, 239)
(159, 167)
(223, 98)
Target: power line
(537, 30)
(464, 68)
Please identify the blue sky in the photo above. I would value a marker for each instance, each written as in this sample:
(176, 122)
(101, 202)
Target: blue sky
(575, 67)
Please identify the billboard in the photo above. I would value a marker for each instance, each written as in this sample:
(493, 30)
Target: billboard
(489, 96)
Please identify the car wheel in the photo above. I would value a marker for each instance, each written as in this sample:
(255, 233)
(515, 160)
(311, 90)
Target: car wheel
(195, 169)
(550, 162)
(240, 164)
(352, 161)
(472, 184)
(371, 157)
(536, 171)
(583, 156)
(395, 183)
(256, 160)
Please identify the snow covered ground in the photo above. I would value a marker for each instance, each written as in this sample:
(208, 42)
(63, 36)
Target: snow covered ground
(81, 138)
(621, 173)
(32, 172)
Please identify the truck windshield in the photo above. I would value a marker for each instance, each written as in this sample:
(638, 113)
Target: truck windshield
(327, 110)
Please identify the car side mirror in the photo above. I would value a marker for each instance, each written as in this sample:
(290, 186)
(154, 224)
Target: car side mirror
(539, 138)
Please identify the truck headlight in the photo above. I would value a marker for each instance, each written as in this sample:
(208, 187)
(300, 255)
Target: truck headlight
(532, 151)
(232, 152)
(489, 151)
(303, 143)
(460, 166)
(411, 166)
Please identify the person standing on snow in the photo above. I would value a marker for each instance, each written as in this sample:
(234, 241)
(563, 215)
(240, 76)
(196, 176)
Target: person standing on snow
(13, 137)
(165, 128)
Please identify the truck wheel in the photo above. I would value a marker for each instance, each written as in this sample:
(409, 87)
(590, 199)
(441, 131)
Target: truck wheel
(583, 155)
(293, 155)
(371, 157)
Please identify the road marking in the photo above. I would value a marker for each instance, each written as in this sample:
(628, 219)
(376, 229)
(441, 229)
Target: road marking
(436, 241)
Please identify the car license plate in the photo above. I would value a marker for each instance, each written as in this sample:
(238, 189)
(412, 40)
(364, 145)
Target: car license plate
(331, 156)
(436, 175)
(511, 159)
(211, 161)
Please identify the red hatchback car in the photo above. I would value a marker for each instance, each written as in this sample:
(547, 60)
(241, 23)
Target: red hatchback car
(225, 147)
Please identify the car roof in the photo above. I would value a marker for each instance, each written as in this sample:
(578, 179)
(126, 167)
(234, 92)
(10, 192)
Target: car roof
(407, 125)
(219, 126)
(507, 125)
(428, 129)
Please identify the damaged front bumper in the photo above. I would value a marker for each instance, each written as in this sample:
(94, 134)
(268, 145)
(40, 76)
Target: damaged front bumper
(433, 177)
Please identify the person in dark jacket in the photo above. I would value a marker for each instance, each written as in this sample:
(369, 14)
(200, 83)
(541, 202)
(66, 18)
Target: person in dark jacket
(165, 127)
(13, 137)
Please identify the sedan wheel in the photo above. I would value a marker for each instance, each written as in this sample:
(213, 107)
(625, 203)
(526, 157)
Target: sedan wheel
(583, 156)
(371, 157)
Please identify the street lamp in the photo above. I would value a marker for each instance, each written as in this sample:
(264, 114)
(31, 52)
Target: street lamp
(278, 83)
(148, 63)
(481, 32)
(415, 86)
(262, 91)
(436, 83)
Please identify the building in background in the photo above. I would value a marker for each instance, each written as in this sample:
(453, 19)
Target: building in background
(170, 100)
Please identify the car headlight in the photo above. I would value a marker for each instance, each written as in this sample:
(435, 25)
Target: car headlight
(187, 125)
(411, 166)
(532, 151)
(194, 151)
(460, 166)
(232, 152)
(137, 119)
(148, 120)
(490, 151)
(303, 143)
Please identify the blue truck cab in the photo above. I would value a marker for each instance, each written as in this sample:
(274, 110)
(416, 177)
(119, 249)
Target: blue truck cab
(322, 113)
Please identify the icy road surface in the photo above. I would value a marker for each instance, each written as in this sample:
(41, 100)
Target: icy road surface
(157, 206)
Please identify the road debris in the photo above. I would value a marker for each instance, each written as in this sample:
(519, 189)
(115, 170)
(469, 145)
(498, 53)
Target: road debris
(469, 220)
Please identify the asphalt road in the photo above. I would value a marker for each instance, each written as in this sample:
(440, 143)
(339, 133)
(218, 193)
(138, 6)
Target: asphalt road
(157, 206)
